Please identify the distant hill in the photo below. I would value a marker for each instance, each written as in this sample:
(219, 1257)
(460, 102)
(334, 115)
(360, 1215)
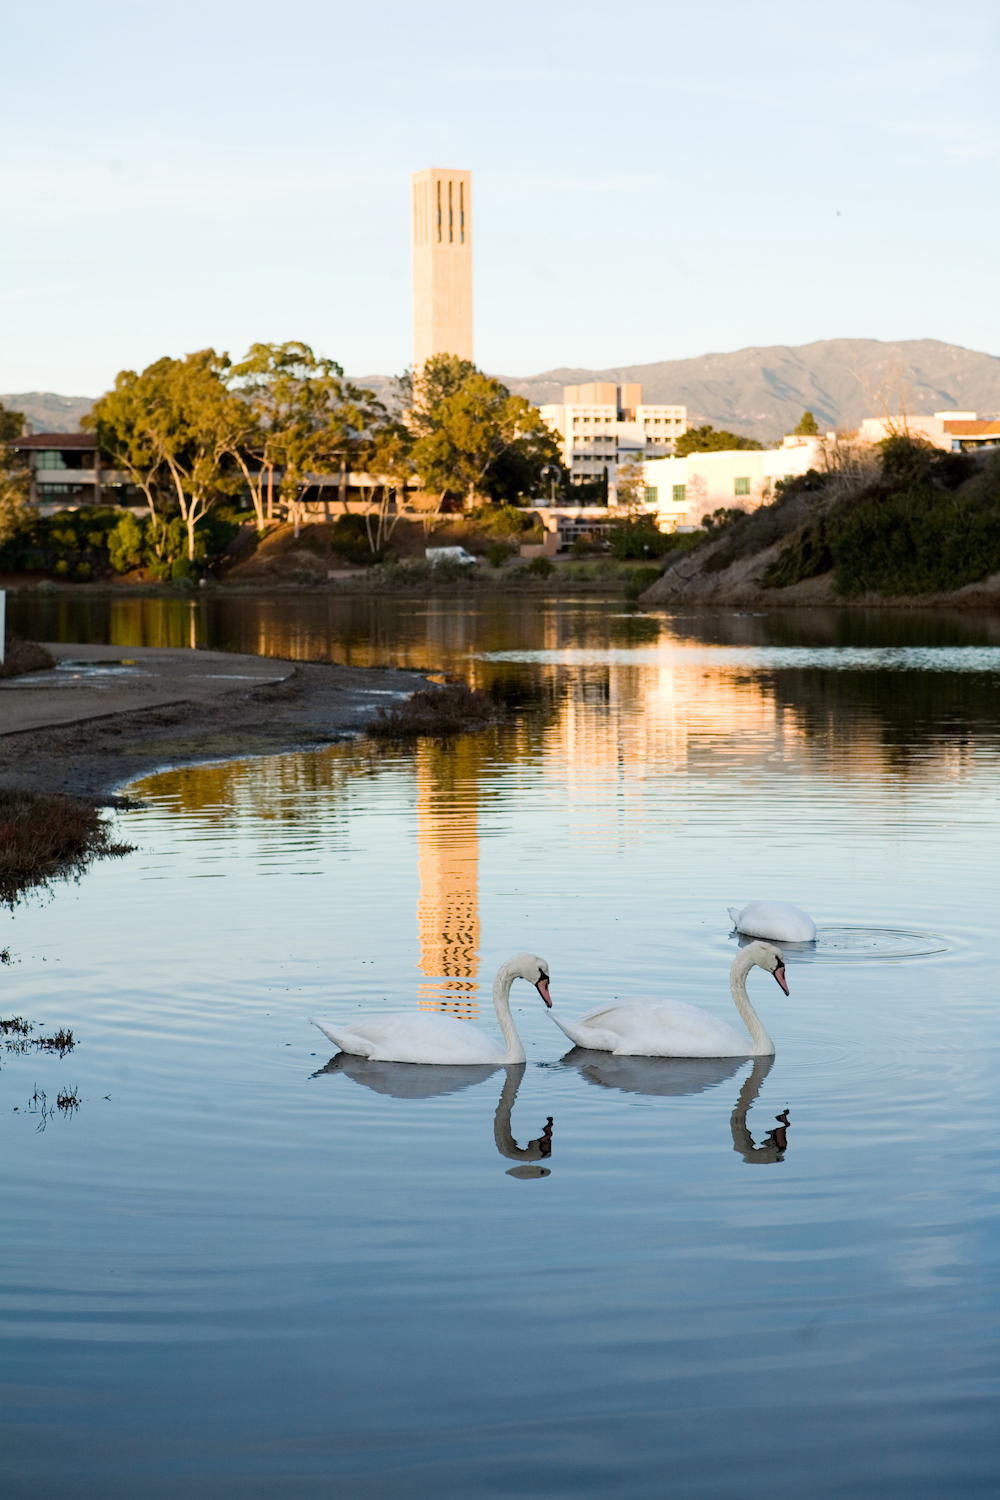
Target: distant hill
(759, 391)
(48, 412)
(762, 392)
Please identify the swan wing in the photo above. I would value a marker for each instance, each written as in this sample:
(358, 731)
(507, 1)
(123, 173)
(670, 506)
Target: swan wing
(419, 1037)
(777, 921)
(663, 1028)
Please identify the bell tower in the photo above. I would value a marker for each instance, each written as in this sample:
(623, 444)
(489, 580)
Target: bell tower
(442, 264)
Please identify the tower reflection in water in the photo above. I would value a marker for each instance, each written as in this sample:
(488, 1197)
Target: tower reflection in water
(448, 863)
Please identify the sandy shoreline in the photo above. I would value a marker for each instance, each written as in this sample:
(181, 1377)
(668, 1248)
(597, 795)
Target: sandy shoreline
(177, 708)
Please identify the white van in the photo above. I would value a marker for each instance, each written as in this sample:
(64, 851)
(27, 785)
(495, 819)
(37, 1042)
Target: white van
(434, 555)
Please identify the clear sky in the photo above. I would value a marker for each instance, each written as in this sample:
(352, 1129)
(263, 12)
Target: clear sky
(651, 181)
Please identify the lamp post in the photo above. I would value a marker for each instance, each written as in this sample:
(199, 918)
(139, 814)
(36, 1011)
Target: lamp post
(550, 473)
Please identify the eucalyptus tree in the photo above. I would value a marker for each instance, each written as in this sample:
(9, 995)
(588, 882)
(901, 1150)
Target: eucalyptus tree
(466, 425)
(172, 429)
(122, 421)
(306, 421)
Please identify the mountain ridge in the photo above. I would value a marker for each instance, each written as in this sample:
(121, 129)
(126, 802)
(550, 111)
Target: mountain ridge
(760, 391)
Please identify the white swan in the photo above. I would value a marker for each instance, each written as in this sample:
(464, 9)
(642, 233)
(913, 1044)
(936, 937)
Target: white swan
(670, 1028)
(779, 921)
(419, 1037)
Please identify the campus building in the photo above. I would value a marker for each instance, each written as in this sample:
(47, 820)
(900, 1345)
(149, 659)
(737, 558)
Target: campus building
(951, 430)
(600, 426)
(682, 490)
(66, 472)
(442, 264)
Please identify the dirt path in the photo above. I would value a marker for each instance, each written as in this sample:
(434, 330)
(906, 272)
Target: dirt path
(110, 724)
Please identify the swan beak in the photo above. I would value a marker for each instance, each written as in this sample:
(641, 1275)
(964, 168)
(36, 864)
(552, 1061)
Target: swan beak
(779, 975)
(542, 986)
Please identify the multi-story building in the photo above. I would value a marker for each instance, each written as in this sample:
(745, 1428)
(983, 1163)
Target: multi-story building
(602, 425)
(66, 472)
(442, 264)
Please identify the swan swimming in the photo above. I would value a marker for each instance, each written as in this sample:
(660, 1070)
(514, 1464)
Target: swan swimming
(671, 1028)
(419, 1037)
(779, 921)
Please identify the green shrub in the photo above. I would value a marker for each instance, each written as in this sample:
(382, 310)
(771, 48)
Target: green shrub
(805, 558)
(640, 580)
(498, 555)
(926, 526)
(125, 544)
(181, 567)
(541, 567)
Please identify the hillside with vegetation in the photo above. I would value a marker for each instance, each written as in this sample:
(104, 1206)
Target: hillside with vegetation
(905, 520)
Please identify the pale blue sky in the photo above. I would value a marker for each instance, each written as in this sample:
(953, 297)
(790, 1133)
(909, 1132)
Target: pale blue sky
(651, 181)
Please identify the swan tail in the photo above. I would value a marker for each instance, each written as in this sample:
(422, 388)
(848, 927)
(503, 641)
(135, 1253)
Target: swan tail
(734, 913)
(583, 1036)
(345, 1040)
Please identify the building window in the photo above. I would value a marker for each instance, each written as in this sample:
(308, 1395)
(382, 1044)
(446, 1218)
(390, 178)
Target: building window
(47, 458)
(651, 494)
(741, 486)
(461, 212)
(451, 217)
(439, 210)
(680, 494)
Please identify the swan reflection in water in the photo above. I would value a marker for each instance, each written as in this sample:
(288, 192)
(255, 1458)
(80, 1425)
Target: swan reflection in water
(672, 1078)
(411, 1081)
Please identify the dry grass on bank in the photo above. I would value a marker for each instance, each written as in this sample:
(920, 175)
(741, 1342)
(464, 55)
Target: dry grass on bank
(21, 657)
(437, 712)
(45, 838)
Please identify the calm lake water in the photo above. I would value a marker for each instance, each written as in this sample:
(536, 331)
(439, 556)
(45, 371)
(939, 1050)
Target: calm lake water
(240, 1268)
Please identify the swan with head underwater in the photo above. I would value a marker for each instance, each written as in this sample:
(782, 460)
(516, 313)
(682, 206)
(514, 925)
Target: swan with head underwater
(672, 1028)
(432, 1037)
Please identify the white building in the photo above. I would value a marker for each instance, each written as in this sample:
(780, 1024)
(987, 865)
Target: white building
(682, 490)
(600, 426)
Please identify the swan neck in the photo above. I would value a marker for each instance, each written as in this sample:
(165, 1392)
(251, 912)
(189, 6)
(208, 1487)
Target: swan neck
(762, 1044)
(501, 1004)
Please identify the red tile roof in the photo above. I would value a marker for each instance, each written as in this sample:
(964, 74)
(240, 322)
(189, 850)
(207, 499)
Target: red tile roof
(972, 429)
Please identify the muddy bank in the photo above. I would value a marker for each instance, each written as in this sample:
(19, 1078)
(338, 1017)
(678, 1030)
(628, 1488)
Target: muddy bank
(107, 741)
(693, 580)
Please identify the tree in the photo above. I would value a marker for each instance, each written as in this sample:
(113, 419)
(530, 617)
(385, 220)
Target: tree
(122, 424)
(15, 474)
(388, 465)
(303, 417)
(632, 487)
(193, 424)
(807, 427)
(466, 425)
(707, 440)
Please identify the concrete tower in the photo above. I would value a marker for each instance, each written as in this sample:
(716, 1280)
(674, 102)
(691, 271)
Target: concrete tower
(442, 264)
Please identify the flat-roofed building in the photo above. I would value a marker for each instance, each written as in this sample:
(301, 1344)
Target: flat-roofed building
(683, 490)
(442, 264)
(601, 425)
(66, 472)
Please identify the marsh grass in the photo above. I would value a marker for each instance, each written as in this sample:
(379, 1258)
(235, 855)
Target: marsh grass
(16, 1032)
(437, 712)
(45, 838)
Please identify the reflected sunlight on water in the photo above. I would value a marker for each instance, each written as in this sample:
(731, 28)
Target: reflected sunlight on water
(245, 1266)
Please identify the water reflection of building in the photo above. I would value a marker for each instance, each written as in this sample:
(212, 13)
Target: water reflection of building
(448, 904)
